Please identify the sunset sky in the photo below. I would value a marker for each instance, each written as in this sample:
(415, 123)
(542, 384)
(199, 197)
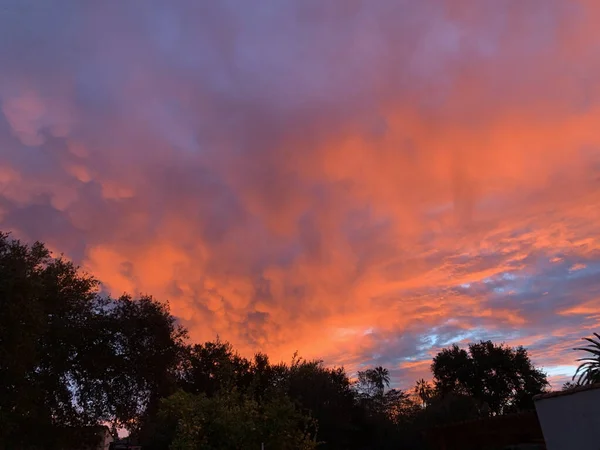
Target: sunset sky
(361, 181)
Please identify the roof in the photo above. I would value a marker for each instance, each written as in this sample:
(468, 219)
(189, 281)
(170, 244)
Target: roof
(575, 390)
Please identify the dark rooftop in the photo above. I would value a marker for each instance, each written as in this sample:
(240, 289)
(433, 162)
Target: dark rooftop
(575, 390)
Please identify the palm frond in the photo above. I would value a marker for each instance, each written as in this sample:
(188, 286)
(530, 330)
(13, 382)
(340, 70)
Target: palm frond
(593, 343)
(588, 371)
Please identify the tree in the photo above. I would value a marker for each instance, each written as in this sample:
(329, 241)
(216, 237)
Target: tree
(501, 376)
(424, 391)
(70, 358)
(451, 408)
(385, 412)
(453, 371)
(372, 382)
(326, 394)
(142, 366)
(397, 405)
(381, 377)
(213, 366)
(47, 307)
(588, 371)
(230, 420)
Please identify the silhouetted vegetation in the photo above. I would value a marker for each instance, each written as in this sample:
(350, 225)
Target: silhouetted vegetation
(588, 371)
(71, 358)
(501, 377)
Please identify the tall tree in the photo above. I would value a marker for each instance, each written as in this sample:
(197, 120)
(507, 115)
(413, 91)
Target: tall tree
(501, 376)
(47, 307)
(424, 391)
(142, 366)
(453, 371)
(372, 382)
(70, 358)
(381, 377)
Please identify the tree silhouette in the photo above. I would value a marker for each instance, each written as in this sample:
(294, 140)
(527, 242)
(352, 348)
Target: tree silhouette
(381, 377)
(47, 312)
(231, 420)
(328, 395)
(372, 382)
(212, 366)
(588, 371)
(501, 376)
(70, 358)
(424, 391)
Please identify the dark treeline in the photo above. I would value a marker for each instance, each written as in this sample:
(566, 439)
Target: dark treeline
(71, 358)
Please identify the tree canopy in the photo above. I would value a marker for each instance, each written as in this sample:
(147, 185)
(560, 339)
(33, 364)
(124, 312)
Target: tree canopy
(71, 358)
(48, 308)
(231, 420)
(502, 377)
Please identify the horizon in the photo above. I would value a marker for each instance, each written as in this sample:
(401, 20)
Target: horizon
(362, 182)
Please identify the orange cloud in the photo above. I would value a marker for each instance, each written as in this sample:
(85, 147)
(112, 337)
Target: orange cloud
(363, 185)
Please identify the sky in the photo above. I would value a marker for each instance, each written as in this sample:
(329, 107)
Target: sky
(365, 182)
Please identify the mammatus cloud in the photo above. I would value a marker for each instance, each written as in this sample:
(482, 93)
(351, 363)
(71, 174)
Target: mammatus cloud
(365, 182)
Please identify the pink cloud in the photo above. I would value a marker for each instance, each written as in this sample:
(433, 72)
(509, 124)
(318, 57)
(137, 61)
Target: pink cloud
(365, 182)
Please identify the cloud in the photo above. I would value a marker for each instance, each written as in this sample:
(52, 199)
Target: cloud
(365, 182)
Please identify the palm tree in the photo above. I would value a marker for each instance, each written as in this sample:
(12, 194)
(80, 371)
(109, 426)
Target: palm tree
(589, 369)
(372, 382)
(380, 377)
(424, 391)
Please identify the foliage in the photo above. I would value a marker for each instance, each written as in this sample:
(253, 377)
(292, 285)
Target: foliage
(231, 420)
(452, 407)
(326, 394)
(503, 377)
(47, 305)
(588, 371)
(208, 368)
(69, 358)
(372, 382)
(424, 391)
(145, 347)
